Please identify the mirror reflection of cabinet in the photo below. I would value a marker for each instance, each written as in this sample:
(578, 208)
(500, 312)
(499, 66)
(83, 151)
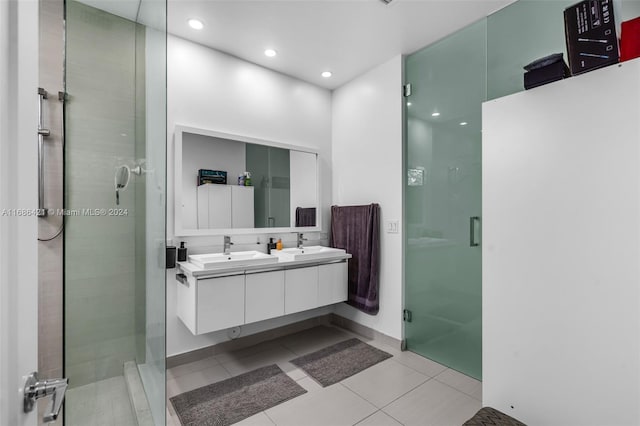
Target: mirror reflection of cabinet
(284, 191)
(225, 206)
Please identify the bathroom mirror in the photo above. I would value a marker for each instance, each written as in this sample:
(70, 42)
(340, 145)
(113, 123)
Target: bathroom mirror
(234, 184)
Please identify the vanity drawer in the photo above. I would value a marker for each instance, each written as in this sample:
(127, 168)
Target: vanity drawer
(332, 283)
(220, 303)
(300, 289)
(264, 296)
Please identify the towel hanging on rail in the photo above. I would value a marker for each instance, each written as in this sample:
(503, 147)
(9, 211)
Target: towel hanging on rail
(305, 216)
(357, 230)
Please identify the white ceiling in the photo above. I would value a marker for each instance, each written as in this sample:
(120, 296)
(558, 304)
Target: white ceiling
(346, 37)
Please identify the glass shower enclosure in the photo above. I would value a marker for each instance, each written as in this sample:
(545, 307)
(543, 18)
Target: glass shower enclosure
(443, 282)
(115, 203)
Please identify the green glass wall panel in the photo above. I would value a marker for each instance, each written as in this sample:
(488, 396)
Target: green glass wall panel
(528, 30)
(443, 151)
(451, 79)
(519, 34)
(114, 302)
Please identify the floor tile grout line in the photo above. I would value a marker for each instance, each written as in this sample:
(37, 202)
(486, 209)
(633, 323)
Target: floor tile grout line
(421, 372)
(459, 390)
(404, 394)
(392, 417)
(376, 412)
(269, 417)
(356, 394)
(362, 420)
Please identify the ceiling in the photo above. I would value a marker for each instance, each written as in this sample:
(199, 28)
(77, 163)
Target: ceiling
(346, 37)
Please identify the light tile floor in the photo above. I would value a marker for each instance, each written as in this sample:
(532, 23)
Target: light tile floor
(406, 389)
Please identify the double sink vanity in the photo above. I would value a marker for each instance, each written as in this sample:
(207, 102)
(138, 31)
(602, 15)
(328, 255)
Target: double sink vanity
(218, 291)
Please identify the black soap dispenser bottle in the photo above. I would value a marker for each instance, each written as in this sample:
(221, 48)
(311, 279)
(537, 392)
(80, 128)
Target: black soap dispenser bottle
(270, 246)
(182, 252)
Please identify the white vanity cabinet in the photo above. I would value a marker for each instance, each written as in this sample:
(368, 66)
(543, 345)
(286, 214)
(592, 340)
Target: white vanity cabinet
(332, 283)
(264, 295)
(210, 304)
(300, 289)
(220, 303)
(211, 301)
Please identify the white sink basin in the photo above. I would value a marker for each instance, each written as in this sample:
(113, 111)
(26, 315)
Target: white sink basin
(308, 253)
(238, 258)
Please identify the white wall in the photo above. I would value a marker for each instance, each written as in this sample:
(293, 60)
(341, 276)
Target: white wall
(211, 90)
(367, 168)
(561, 282)
(18, 234)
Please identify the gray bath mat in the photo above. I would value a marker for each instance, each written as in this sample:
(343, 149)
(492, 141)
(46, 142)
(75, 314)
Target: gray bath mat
(235, 399)
(337, 362)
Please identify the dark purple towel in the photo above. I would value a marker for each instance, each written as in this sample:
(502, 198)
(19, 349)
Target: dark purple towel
(305, 216)
(357, 230)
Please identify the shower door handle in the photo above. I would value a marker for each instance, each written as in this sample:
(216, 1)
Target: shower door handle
(474, 221)
(34, 389)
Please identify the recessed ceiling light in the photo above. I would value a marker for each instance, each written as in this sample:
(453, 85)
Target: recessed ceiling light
(270, 53)
(196, 24)
(326, 74)
(435, 114)
(408, 103)
(463, 123)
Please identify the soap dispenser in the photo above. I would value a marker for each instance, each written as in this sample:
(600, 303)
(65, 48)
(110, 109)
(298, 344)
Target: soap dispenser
(182, 252)
(279, 244)
(271, 245)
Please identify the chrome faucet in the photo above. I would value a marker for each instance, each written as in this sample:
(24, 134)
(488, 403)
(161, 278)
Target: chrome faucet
(300, 240)
(227, 244)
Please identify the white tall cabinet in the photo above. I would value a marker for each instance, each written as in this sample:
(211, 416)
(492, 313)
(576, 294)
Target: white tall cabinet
(225, 206)
(561, 251)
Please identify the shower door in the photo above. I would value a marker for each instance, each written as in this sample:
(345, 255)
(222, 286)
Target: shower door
(443, 285)
(115, 199)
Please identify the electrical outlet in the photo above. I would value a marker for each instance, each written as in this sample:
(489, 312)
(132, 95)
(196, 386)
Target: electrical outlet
(393, 227)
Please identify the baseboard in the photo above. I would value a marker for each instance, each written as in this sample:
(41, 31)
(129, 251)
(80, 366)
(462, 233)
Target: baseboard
(364, 331)
(246, 341)
(254, 339)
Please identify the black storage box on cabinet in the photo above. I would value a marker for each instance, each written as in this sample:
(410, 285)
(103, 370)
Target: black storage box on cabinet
(547, 74)
(212, 176)
(590, 33)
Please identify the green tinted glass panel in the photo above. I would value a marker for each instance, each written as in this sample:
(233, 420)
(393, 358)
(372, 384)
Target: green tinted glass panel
(115, 117)
(443, 192)
(519, 34)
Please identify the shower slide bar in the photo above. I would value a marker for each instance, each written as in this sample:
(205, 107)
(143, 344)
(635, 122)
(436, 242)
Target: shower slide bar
(42, 133)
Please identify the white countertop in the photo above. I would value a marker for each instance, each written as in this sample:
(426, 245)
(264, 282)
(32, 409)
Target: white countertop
(197, 272)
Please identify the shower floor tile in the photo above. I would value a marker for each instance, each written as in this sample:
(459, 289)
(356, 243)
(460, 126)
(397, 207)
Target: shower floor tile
(101, 403)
